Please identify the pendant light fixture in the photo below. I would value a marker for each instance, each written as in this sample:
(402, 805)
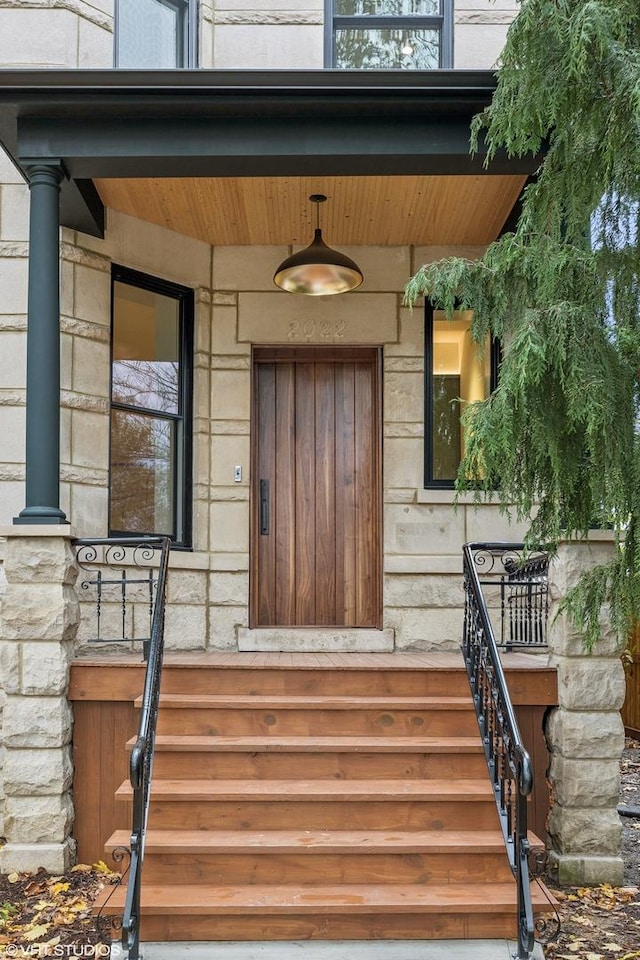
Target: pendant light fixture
(318, 271)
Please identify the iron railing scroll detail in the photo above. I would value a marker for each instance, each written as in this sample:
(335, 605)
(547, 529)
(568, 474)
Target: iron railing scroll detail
(118, 581)
(141, 761)
(509, 764)
(518, 581)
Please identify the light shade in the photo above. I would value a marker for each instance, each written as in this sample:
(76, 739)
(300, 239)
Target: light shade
(318, 270)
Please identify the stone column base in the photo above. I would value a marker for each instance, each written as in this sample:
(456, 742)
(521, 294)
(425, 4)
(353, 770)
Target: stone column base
(585, 870)
(29, 857)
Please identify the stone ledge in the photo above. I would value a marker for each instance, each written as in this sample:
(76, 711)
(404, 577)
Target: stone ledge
(577, 870)
(36, 530)
(29, 857)
(315, 639)
(424, 563)
(229, 562)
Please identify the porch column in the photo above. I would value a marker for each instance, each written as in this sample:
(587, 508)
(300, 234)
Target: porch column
(42, 462)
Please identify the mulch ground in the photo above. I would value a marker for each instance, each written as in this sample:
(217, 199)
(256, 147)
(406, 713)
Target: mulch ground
(44, 916)
(603, 922)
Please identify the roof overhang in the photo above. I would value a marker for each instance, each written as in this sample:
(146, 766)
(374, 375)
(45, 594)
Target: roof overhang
(105, 124)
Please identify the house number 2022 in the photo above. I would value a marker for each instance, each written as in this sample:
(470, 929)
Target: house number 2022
(316, 330)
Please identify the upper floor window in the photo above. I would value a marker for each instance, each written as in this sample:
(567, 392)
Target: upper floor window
(156, 34)
(389, 34)
(457, 372)
(151, 375)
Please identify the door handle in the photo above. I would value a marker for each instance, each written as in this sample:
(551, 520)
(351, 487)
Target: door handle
(264, 507)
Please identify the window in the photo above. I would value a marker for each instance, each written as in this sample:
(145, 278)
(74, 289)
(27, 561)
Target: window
(389, 34)
(156, 34)
(456, 373)
(151, 374)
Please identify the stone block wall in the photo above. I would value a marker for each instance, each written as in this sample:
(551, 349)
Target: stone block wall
(233, 34)
(275, 34)
(38, 621)
(480, 29)
(236, 306)
(585, 733)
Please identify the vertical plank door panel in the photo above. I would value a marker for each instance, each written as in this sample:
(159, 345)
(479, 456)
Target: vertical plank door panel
(345, 495)
(328, 541)
(305, 494)
(366, 549)
(266, 460)
(284, 499)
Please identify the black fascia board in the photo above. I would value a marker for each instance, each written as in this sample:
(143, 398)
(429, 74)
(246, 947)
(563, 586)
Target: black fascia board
(125, 123)
(241, 146)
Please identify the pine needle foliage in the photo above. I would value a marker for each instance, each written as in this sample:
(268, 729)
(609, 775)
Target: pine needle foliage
(561, 432)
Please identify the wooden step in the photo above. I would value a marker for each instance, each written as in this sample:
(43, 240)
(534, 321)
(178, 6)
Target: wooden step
(319, 804)
(324, 798)
(180, 757)
(312, 858)
(316, 716)
(346, 674)
(348, 911)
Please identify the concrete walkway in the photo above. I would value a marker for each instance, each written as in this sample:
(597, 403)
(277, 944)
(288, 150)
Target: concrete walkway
(333, 950)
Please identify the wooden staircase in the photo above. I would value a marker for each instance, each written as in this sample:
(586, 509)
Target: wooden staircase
(298, 801)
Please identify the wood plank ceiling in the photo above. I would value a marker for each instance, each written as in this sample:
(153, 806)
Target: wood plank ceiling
(386, 211)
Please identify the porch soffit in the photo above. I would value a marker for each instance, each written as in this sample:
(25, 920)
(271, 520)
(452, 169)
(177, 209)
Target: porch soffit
(374, 210)
(230, 156)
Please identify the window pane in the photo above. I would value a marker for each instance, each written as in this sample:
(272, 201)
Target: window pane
(146, 350)
(387, 49)
(461, 375)
(142, 474)
(150, 34)
(387, 8)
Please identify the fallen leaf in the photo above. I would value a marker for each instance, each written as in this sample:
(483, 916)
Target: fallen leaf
(13, 877)
(59, 888)
(35, 887)
(611, 946)
(36, 932)
(101, 867)
(593, 956)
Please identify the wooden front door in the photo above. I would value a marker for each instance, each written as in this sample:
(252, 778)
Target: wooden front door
(316, 556)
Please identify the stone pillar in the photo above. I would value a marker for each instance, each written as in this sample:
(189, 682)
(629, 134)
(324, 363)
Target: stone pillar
(38, 622)
(585, 733)
(42, 461)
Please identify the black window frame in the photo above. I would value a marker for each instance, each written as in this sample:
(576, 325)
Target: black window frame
(495, 359)
(186, 42)
(442, 22)
(182, 506)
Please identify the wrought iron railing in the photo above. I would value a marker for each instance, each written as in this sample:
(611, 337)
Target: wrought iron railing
(509, 764)
(517, 581)
(141, 761)
(118, 583)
